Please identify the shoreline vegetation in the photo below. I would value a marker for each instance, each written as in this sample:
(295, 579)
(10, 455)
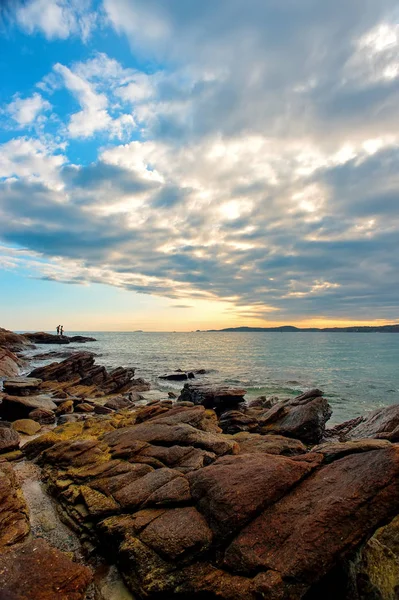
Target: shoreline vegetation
(200, 495)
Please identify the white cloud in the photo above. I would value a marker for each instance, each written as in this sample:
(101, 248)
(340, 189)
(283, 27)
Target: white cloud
(26, 111)
(57, 18)
(32, 159)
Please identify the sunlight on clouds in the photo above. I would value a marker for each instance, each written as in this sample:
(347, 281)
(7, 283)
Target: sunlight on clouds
(24, 112)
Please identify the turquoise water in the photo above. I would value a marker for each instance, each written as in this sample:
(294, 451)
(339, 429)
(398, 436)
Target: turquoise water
(357, 371)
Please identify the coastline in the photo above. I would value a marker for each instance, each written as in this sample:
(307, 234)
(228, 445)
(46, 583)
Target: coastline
(182, 494)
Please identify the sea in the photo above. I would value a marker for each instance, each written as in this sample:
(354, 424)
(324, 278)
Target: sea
(358, 372)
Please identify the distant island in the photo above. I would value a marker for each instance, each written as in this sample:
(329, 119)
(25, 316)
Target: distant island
(292, 329)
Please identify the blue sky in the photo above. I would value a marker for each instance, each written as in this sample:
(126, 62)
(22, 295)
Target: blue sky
(173, 165)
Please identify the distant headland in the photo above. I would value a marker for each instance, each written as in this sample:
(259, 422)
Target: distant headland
(291, 329)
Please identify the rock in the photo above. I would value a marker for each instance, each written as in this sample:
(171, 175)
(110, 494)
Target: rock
(9, 439)
(172, 395)
(334, 450)
(118, 403)
(21, 386)
(234, 421)
(26, 426)
(177, 533)
(65, 408)
(40, 337)
(84, 407)
(254, 443)
(13, 341)
(9, 363)
(63, 419)
(176, 376)
(102, 410)
(42, 416)
(234, 489)
(14, 518)
(309, 395)
(212, 396)
(381, 421)
(300, 538)
(15, 407)
(301, 418)
(80, 364)
(81, 339)
(263, 402)
(36, 570)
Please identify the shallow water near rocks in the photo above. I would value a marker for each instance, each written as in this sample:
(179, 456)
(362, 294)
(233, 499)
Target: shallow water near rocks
(357, 371)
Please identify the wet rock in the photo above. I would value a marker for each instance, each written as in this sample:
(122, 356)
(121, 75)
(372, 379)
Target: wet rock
(172, 395)
(176, 376)
(63, 419)
(9, 439)
(102, 410)
(26, 426)
(14, 518)
(254, 443)
(40, 337)
(36, 570)
(309, 395)
(42, 416)
(263, 402)
(19, 407)
(81, 339)
(21, 386)
(231, 491)
(302, 536)
(212, 396)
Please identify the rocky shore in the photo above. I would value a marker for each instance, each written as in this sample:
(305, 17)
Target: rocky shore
(111, 491)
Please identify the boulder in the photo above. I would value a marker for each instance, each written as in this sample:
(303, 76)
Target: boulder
(38, 571)
(301, 418)
(42, 416)
(177, 376)
(234, 421)
(80, 364)
(14, 518)
(84, 407)
(381, 421)
(19, 407)
(81, 339)
(9, 363)
(65, 407)
(21, 386)
(26, 426)
(13, 341)
(9, 439)
(118, 403)
(334, 450)
(300, 538)
(212, 396)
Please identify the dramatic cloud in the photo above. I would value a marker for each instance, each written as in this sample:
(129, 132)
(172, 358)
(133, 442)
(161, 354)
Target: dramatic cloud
(259, 163)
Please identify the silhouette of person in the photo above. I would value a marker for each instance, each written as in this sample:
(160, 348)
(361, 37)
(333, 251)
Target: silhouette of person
(62, 330)
(58, 329)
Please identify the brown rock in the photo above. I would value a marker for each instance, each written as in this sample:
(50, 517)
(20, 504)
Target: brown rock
(14, 518)
(9, 363)
(148, 490)
(42, 416)
(178, 532)
(15, 407)
(118, 403)
(235, 488)
(254, 443)
(309, 530)
(334, 450)
(9, 439)
(301, 418)
(21, 386)
(382, 420)
(65, 408)
(37, 571)
(84, 407)
(26, 426)
(212, 396)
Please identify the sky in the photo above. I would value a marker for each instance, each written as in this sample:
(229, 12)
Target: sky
(192, 164)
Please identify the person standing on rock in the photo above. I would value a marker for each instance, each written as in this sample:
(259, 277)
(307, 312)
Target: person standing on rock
(58, 329)
(61, 330)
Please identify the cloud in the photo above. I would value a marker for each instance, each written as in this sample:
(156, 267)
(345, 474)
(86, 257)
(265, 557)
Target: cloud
(57, 18)
(26, 111)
